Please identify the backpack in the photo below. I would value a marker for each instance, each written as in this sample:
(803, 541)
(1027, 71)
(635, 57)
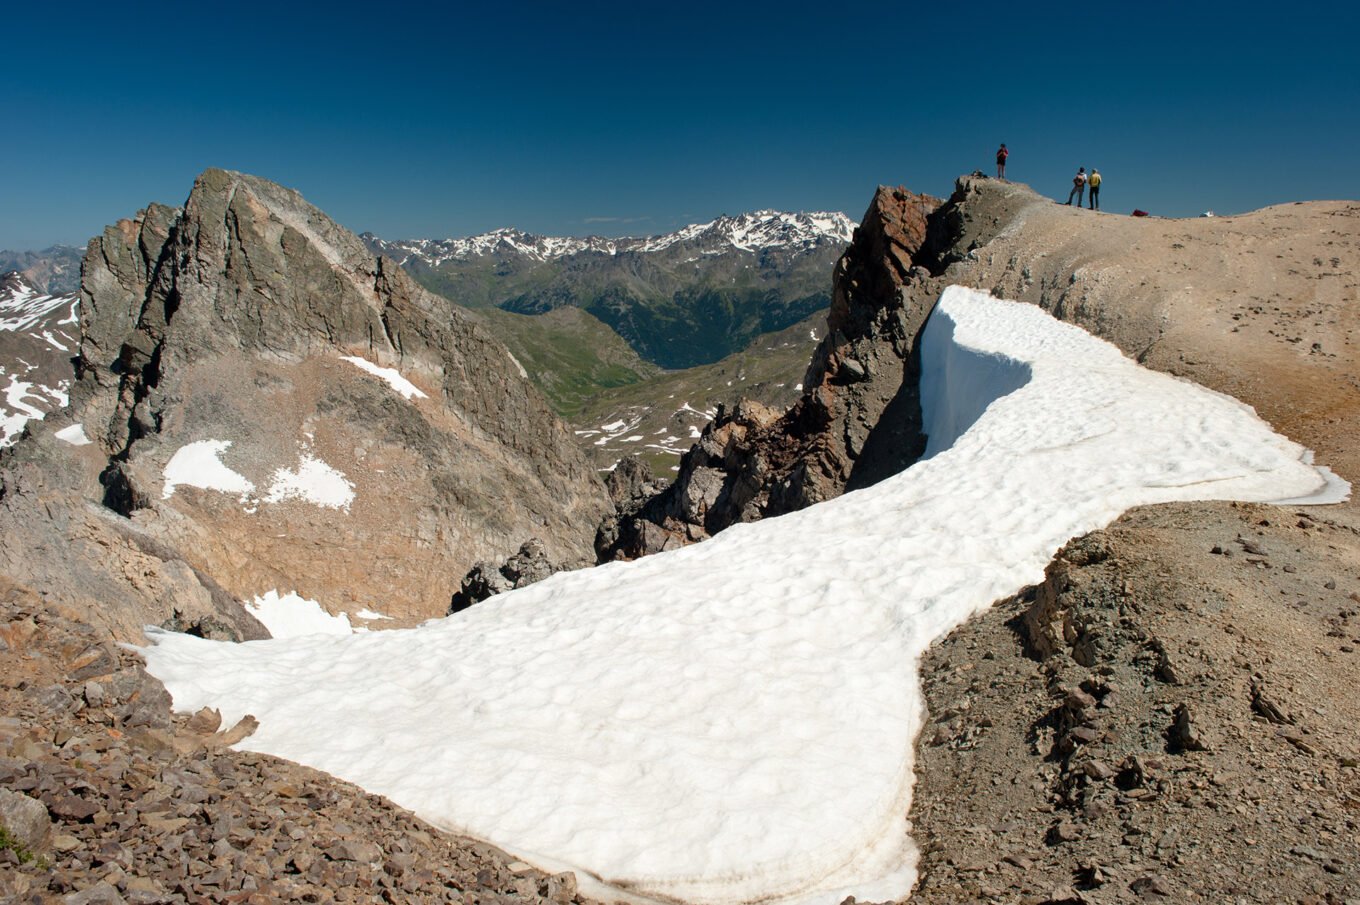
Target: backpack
(1079, 180)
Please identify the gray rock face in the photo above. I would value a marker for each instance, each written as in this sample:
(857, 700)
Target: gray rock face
(529, 565)
(251, 322)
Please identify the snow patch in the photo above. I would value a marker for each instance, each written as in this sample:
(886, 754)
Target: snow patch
(293, 616)
(312, 481)
(197, 465)
(390, 375)
(74, 435)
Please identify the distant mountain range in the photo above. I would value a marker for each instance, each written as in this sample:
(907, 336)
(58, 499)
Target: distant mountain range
(686, 298)
(55, 269)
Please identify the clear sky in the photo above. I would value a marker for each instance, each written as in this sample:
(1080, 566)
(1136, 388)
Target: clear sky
(633, 118)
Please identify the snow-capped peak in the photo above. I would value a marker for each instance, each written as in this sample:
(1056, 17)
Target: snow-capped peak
(744, 232)
(762, 229)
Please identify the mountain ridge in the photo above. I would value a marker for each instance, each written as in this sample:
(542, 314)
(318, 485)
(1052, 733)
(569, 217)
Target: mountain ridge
(745, 232)
(686, 298)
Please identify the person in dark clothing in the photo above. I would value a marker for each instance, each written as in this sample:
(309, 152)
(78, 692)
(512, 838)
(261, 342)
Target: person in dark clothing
(1001, 155)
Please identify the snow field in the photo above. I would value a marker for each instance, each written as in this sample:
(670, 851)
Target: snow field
(735, 720)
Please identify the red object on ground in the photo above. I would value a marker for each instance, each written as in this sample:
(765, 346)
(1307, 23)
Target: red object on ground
(1140, 213)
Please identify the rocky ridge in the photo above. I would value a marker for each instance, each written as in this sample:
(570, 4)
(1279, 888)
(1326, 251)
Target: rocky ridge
(1166, 717)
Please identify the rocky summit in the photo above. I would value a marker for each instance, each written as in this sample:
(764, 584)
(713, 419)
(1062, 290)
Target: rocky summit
(273, 409)
(1166, 717)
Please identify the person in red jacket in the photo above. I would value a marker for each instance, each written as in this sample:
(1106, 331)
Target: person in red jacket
(1001, 155)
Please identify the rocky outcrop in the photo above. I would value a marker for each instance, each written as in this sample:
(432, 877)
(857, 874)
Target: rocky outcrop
(342, 433)
(857, 422)
(531, 564)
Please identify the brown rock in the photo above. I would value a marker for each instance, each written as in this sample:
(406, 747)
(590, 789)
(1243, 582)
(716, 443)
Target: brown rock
(205, 722)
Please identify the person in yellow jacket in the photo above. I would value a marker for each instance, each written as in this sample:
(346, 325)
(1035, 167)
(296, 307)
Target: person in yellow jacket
(1093, 183)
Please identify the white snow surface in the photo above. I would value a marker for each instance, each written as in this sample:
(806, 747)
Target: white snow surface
(74, 435)
(391, 376)
(313, 481)
(293, 616)
(735, 720)
(197, 465)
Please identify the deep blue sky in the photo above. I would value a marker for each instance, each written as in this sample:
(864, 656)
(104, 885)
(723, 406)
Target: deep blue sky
(454, 118)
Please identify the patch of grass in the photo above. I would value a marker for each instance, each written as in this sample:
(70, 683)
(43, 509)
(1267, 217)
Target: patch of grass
(8, 842)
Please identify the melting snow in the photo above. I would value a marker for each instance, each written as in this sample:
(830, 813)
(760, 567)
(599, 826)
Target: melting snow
(523, 373)
(394, 379)
(370, 615)
(735, 720)
(292, 616)
(197, 465)
(313, 481)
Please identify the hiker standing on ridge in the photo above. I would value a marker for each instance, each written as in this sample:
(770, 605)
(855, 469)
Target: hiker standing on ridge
(1078, 186)
(1094, 183)
(1001, 155)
